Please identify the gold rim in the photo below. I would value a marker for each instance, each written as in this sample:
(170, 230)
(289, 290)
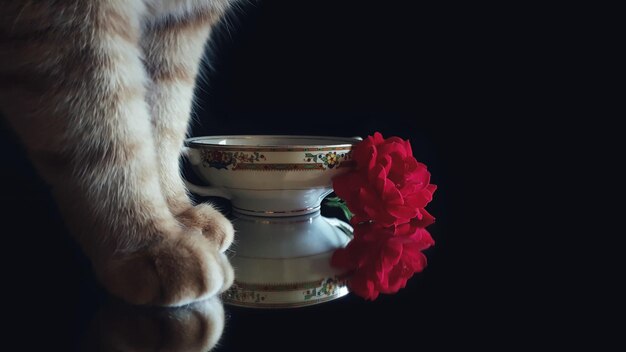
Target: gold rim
(269, 221)
(269, 212)
(296, 286)
(335, 143)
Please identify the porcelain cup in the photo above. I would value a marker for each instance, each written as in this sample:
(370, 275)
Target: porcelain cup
(269, 175)
(283, 245)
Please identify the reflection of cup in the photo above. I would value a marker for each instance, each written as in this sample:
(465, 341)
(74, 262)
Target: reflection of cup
(122, 327)
(276, 184)
(283, 262)
(269, 175)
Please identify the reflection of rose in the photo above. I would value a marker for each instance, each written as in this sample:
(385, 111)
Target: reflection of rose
(384, 258)
(387, 192)
(387, 185)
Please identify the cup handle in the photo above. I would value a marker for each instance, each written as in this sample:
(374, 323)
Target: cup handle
(206, 191)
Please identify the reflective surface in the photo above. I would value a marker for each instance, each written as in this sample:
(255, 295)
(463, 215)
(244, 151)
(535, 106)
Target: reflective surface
(121, 327)
(456, 80)
(285, 262)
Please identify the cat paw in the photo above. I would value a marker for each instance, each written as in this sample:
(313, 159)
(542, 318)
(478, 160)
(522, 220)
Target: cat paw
(174, 272)
(215, 226)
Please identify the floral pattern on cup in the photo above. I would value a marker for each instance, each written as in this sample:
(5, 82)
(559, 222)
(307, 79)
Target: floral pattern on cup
(240, 295)
(329, 160)
(223, 159)
(328, 287)
(301, 294)
(237, 160)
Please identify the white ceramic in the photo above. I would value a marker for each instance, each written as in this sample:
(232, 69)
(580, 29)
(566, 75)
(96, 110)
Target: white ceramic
(269, 175)
(284, 262)
(283, 245)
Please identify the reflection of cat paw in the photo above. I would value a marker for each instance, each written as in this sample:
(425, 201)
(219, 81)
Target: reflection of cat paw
(174, 272)
(122, 327)
(214, 225)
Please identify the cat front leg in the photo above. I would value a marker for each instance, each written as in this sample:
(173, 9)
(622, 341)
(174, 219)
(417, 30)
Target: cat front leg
(73, 86)
(174, 45)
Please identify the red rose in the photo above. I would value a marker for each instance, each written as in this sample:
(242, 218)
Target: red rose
(384, 258)
(387, 185)
(386, 192)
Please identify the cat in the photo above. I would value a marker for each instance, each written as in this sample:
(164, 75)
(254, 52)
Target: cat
(99, 92)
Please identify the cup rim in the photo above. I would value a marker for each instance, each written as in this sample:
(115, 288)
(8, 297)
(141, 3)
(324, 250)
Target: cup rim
(337, 142)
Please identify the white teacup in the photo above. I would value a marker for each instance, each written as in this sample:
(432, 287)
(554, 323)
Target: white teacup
(276, 184)
(269, 175)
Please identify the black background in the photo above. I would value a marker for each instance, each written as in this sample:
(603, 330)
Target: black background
(459, 81)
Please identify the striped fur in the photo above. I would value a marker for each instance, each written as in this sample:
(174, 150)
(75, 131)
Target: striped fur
(100, 94)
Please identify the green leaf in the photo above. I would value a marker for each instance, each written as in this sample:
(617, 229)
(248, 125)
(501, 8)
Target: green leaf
(337, 202)
(312, 156)
(346, 211)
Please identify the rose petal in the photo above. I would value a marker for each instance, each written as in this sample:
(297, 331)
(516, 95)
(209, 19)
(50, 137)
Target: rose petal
(364, 155)
(407, 146)
(358, 218)
(391, 253)
(380, 271)
(363, 286)
(377, 138)
(415, 261)
(397, 280)
(342, 185)
(386, 219)
(394, 149)
(419, 199)
(390, 194)
(417, 173)
(386, 162)
(402, 212)
(424, 219)
(425, 239)
(342, 259)
(370, 202)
